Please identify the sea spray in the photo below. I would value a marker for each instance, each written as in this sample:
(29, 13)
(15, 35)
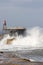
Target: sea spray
(26, 47)
(34, 39)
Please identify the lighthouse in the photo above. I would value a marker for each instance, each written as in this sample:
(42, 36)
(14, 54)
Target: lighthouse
(4, 25)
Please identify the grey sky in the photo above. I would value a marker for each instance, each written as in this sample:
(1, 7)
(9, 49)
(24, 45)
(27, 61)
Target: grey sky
(27, 13)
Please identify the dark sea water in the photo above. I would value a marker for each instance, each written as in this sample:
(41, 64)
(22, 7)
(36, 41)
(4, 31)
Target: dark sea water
(11, 58)
(33, 55)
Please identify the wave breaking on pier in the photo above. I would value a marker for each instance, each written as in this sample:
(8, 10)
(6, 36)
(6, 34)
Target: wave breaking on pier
(25, 46)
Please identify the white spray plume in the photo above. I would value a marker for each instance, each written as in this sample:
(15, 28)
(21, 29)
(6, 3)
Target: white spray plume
(33, 40)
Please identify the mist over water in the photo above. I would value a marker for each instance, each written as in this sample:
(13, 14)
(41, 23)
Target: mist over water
(29, 46)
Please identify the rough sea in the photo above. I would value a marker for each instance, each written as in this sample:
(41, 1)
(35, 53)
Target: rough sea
(28, 47)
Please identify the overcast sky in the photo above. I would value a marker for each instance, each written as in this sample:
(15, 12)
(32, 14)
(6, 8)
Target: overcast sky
(26, 13)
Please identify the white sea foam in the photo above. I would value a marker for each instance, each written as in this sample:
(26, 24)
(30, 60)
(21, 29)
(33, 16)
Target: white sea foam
(32, 41)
